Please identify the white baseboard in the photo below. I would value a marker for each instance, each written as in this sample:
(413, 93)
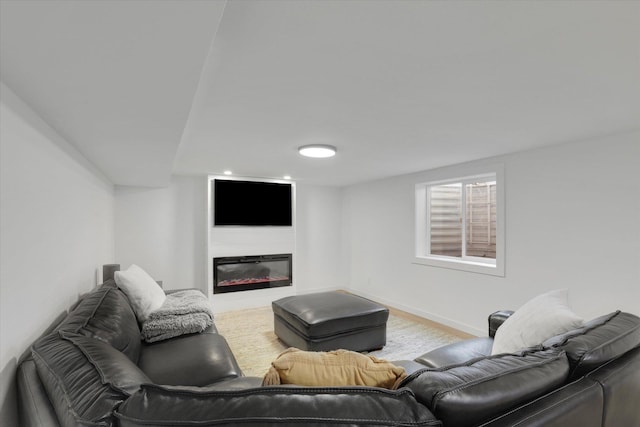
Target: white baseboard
(422, 313)
(315, 290)
(249, 299)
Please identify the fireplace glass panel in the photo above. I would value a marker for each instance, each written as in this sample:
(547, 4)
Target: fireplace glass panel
(233, 274)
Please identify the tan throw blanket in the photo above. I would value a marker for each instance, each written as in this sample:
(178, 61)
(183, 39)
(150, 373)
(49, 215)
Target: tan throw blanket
(332, 369)
(183, 312)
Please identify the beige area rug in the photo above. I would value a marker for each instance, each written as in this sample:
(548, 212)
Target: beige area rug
(254, 344)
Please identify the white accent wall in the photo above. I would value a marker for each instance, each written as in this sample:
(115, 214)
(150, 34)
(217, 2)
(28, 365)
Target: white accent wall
(56, 222)
(242, 241)
(165, 231)
(572, 221)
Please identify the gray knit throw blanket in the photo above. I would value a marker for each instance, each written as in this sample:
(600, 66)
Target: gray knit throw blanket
(183, 312)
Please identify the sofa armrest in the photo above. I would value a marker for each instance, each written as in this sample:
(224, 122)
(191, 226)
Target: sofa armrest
(496, 319)
(575, 404)
(35, 409)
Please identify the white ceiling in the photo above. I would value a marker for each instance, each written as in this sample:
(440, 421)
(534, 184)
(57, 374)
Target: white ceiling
(147, 89)
(114, 78)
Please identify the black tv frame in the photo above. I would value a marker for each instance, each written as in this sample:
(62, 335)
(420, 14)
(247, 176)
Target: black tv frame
(247, 203)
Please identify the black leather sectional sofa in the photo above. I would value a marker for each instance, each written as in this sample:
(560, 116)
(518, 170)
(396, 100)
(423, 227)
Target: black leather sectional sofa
(92, 369)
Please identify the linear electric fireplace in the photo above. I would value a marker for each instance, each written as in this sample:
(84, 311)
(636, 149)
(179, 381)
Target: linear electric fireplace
(247, 273)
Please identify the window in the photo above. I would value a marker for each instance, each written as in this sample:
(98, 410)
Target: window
(460, 223)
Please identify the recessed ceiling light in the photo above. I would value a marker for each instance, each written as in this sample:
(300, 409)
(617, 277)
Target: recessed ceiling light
(317, 150)
(228, 172)
(286, 177)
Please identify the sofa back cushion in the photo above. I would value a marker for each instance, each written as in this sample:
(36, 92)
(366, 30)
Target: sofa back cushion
(273, 406)
(600, 340)
(468, 394)
(105, 314)
(85, 378)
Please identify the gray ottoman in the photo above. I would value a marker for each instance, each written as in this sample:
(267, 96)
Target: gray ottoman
(330, 321)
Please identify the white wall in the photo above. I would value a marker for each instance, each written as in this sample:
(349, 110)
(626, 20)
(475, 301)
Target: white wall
(319, 239)
(163, 231)
(572, 220)
(56, 222)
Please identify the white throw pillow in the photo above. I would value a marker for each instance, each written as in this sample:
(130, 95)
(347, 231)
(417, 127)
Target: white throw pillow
(541, 318)
(144, 293)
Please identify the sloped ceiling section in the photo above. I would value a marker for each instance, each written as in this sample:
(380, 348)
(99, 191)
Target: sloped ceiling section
(145, 89)
(114, 78)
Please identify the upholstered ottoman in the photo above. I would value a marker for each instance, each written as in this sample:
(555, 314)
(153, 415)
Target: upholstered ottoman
(330, 321)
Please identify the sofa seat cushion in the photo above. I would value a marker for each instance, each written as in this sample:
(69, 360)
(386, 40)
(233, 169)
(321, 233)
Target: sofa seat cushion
(456, 353)
(600, 340)
(189, 360)
(274, 406)
(85, 378)
(105, 313)
(468, 394)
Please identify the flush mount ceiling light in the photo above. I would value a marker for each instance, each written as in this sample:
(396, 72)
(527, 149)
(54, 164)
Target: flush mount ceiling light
(317, 150)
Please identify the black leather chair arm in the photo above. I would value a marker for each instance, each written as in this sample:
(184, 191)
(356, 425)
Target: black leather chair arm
(496, 319)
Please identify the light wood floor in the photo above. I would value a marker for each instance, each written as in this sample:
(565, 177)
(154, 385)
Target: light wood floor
(252, 340)
(430, 323)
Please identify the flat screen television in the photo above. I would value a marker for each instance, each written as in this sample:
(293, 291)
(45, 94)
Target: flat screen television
(251, 203)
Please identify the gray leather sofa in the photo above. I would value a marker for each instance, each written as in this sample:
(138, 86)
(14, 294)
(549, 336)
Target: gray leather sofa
(591, 377)
(92, 369)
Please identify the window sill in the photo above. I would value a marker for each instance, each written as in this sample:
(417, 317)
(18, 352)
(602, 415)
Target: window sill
(462, 265)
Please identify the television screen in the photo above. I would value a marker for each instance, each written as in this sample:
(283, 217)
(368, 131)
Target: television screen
(251, 203)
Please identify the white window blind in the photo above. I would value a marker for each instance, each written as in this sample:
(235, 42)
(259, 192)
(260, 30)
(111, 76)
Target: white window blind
(458, 221)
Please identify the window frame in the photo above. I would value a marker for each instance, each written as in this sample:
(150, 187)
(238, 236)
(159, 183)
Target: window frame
(422, 253)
